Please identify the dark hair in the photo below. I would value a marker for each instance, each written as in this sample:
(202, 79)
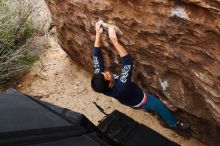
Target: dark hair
(98, 83)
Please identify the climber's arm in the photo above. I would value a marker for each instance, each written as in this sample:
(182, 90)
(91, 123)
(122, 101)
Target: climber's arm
(121, 50)
(97, 40)
(126, 62)
(97, 56)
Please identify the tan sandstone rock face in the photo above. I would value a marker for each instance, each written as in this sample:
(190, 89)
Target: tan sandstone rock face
(175, 46)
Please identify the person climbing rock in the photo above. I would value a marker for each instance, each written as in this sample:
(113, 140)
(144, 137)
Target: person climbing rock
(121, 86)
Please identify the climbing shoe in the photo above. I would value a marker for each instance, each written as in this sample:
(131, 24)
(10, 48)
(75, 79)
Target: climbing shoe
(183, 129)
(183, 125)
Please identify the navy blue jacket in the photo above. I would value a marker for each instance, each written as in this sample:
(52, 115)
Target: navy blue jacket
(124, 90)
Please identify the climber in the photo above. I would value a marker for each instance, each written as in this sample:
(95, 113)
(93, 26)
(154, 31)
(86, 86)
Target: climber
(121, 87)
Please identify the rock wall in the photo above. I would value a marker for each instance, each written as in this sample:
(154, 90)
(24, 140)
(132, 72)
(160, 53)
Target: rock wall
(175, 45)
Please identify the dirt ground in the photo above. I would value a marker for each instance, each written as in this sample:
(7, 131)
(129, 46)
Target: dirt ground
(58, 80)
